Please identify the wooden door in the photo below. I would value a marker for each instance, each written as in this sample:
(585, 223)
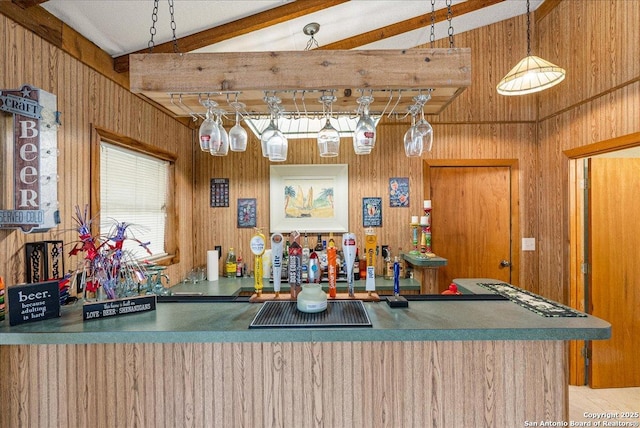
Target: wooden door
(614, 284)
(472, 221)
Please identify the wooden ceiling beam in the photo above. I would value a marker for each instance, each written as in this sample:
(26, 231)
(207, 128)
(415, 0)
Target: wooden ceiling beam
(28, 3)
(408, 25)
(235, 28)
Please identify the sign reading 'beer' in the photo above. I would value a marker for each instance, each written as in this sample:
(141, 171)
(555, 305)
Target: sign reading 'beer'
(33, 152)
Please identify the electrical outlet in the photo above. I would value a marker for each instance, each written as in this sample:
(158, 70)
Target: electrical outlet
(528, 244)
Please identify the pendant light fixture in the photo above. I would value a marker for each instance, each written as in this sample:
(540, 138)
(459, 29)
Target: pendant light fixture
(531, 74)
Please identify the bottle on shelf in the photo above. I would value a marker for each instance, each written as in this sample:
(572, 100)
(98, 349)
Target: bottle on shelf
(318, 246)
(388, 264)
(231, 264)
(239, 267)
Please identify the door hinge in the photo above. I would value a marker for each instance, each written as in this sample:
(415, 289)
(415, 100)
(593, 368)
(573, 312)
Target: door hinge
(585, 268)
(584, 183)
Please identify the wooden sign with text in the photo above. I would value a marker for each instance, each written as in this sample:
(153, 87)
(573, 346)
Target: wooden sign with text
(33, 302)
(111, 308)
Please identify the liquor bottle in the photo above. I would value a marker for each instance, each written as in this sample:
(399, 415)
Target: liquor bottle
(231, 264)
(239, 267)
(318, 246)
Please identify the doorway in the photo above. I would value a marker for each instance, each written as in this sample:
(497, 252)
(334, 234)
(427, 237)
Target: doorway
(605, 277)
(475, 218)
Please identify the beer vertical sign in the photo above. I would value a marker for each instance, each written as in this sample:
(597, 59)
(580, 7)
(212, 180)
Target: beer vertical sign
(30, 152)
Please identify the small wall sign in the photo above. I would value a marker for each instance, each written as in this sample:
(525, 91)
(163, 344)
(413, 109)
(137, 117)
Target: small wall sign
(33, 302)
(219, 192)
(111, 308)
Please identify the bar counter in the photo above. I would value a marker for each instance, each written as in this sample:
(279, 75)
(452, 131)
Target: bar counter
(436, 363)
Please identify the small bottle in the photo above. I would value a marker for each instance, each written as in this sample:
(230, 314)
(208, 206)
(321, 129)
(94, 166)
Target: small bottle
(318, 246)
(239, 267)
(388, 265)
(230, 264)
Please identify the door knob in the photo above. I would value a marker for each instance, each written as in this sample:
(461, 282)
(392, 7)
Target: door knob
(505, 263)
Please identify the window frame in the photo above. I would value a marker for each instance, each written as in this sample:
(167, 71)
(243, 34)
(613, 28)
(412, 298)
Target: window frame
(171, 225)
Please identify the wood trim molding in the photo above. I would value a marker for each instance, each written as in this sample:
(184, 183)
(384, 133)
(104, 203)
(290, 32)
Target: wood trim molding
(613, 144)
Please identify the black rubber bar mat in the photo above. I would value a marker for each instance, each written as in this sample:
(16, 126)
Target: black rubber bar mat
(533, 302)
(285, 314)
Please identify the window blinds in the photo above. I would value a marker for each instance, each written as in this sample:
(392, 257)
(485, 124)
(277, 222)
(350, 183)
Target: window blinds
(133, 189)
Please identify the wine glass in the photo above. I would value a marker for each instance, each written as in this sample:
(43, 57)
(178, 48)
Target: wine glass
(413, 142)
(237, 134)
(221, 147)
(208, 129)
(328, 137)
(266, 134)
(277, 146)
(364, 137)
(423, 127)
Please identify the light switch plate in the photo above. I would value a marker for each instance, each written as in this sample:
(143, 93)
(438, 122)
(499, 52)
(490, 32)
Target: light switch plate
(528, 244)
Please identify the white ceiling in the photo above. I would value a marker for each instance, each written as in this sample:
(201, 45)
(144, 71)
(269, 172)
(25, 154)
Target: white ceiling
(122, 26)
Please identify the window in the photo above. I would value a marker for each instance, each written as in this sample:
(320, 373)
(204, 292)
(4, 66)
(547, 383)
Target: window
(134, 185)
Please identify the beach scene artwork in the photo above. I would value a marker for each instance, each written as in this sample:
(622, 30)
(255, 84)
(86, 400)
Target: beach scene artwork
(309, 198)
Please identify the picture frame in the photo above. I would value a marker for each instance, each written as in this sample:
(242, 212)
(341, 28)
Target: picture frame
(247, 213)
(371, 212)
(309, 198)
(399, 192)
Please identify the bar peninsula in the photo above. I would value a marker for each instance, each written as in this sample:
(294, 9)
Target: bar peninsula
(436, 363)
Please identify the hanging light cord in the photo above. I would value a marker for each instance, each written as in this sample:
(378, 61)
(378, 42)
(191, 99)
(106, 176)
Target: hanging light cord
(528, 31)
(154, 20)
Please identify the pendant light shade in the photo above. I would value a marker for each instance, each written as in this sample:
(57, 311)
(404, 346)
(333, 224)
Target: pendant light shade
(531, 74)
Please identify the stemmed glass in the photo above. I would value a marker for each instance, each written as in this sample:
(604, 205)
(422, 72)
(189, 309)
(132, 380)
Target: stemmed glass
(413, 142)
(364, 137)
(266, 134)
(423, 127)
(274, 143)
(237, 134)
(220, 147)
(328, 137)
(209, 131)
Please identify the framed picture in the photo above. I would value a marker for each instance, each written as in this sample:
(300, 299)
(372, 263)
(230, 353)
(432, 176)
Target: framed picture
(399, 192)
(372, 212)
(309, 198)
(219, 192)
(247, 212)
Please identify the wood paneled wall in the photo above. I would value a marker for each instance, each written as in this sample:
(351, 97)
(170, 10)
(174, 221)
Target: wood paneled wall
(598, 43)
(479, 124)
(339, 384)
(86, 97)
